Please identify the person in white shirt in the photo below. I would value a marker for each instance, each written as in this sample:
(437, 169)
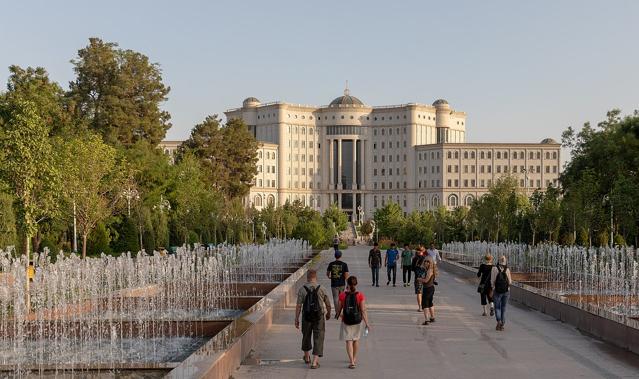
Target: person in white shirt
(434, 253)
(500, 281)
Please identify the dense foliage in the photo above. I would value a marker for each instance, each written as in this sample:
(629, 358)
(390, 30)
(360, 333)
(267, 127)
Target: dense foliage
(89, 154)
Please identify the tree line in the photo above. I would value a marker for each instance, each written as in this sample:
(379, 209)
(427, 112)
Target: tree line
(87, 156)
(598, 196)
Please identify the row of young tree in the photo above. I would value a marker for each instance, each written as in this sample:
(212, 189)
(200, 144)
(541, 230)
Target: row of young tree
(598, 197)
(87, 155)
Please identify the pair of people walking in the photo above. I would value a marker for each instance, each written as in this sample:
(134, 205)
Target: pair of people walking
(425, 269)
(315, 308)
(494, 288)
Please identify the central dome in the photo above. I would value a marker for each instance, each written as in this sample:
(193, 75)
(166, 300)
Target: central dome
(346, 101)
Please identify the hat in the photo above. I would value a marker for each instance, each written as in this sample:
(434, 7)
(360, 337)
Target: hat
(338, 254)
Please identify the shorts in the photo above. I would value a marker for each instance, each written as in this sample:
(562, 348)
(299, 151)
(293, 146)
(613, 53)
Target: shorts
(427, 299)
(419, 288)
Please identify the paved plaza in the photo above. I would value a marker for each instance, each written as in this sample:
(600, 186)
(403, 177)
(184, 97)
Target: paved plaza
(460, 344)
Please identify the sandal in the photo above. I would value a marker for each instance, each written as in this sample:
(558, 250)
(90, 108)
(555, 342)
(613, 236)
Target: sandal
(315, 366)
(352, 366)
(307, 360)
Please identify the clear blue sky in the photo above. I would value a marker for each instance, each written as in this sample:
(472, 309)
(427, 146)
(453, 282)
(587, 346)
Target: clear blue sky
(521, 70)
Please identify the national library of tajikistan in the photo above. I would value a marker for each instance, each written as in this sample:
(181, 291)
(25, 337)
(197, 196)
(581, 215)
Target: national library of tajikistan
(362, 157)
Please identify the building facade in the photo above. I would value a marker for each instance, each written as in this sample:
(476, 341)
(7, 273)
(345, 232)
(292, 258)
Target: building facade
(356, 155)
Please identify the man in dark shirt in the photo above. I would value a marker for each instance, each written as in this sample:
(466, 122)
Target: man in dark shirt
(375, 262)
(337, 272)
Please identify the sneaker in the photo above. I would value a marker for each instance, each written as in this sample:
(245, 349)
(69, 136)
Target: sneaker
(484, 314)
(432, 319)
(387, 283)
(492, 311)
(394, 285)
(425, 323)
(498, 326)
(377, 285)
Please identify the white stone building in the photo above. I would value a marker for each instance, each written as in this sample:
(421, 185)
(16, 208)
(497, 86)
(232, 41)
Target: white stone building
(354, 155)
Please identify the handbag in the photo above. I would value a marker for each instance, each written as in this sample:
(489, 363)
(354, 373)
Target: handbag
(481, 287)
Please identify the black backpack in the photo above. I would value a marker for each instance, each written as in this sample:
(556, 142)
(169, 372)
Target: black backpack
(501, 281)
(352, 313)
(312, 309)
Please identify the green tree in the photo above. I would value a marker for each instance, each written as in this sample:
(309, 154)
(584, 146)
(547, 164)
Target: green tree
(27, 166)
(93, 177)
(335, 216)
(7, 221)
(118, 94)
(227, 153)
(389, 220)
(49, 99)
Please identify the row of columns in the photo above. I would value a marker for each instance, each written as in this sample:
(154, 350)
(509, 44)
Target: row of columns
(336, 161)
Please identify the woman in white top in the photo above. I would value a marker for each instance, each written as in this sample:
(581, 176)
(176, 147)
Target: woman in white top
(500, 281)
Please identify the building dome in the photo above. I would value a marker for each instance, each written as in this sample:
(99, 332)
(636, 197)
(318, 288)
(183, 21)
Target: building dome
(346, 101)
(549, 141)
(250, 102)
(440, 102)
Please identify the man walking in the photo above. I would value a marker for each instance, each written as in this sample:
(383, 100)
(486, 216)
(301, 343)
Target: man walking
(375, 262)
(407, 268)
(337, 272)
(313, 304)
(336, 242)
(390, 261)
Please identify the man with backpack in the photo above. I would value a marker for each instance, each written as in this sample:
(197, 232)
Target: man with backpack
(337, 272)
(500, 280)
(353, 310)
(315, 308)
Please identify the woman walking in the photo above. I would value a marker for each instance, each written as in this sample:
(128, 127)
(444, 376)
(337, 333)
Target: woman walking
(501, 280)
(352, 308)
(485, 289)
(428, 282)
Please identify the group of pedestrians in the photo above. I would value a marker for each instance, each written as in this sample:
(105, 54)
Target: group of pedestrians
(422, 262)
(494, 288)
(315, 308)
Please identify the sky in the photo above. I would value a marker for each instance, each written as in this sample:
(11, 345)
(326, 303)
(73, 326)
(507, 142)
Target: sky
(522, 71)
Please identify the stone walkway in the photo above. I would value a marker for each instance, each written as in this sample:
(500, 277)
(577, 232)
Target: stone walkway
(461, 344)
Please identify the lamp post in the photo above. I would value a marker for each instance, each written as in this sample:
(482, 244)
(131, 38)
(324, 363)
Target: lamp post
(130, 194)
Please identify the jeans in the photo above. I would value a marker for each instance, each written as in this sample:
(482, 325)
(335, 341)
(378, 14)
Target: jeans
(336, 291)
(391, 269)
(501, 299)
(375, 272)
(406, 272)
(313, 331)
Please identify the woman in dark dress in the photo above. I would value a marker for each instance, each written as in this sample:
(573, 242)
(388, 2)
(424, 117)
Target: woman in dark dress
(485, 290)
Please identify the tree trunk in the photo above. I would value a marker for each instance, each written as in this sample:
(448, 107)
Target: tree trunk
(28, 281)
(84, 245)
(37, 239)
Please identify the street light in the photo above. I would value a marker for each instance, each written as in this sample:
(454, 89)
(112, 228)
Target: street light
(130, 194)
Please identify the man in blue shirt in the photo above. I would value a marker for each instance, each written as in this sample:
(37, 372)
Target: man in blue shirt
(390, 261)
